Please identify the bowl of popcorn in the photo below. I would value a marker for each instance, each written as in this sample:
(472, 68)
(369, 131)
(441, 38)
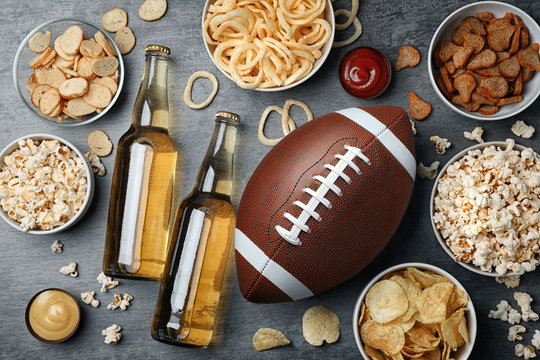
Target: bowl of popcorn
(68, 72)
(414, 310)
(46, 185)
(485, 208)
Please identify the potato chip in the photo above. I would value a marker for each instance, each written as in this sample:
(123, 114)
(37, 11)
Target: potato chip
(386, 337)
(458, 299)
(412, 291)
(433, 302)
(433, 355)
(424, 278)
(405, 325)
(423, 336)
(386, 300)
(450, 330)
(267, 338)
(373, 353)
(320, 324)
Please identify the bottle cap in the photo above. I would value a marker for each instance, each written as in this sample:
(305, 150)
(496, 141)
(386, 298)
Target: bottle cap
(161, 48)
(228, 115)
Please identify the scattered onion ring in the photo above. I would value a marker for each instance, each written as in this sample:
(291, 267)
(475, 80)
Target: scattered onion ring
(355, 4)
(189, 87)
(357, 29)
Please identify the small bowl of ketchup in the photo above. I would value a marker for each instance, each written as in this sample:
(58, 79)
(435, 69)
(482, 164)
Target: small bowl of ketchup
(365, 72)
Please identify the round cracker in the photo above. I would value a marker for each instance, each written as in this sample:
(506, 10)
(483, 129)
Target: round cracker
(105, 66)
(37, 93)
(71, 40)
(98, 96)
(114, 20)
(74, 87)
(49, 101)
(108, 82)
(152, 10)
(78, 107)
(386, 301)
(125, 40)
(99, 143)
(40, 42)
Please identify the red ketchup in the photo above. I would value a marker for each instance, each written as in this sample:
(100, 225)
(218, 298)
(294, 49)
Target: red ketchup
(365, 72)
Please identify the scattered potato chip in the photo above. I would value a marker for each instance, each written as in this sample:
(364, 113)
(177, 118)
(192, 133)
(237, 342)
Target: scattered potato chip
(320, 324)
(418, 333)
(386, 301)
(99, 143)
(152, 10)
(267, 338)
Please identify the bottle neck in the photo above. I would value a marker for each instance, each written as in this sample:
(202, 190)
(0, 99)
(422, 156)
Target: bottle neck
(152, 103)
(216, 172)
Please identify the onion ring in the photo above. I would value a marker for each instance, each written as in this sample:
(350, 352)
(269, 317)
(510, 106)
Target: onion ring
(189, 87)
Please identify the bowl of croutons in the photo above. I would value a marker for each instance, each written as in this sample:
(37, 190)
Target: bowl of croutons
(483, 58)
(68, 72)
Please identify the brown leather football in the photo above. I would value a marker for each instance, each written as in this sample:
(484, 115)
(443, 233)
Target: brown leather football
(324, 202)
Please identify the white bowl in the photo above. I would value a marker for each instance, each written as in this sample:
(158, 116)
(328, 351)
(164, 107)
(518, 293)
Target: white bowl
(328, 15)
(531, 88)
(440, 238)
(463, 352)
(89, 178)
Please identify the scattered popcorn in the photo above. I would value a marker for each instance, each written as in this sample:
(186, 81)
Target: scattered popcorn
(120, 302)
(475, 135)
(514, 331)
(441, 144)
(70, 269)
(502, 311)
(523, 130)
(524, 302)
(509, 281)
(428, 172)
(42, 184)
(88, 298)
(487, 209)
(413, 126)
(536, 339)
(106, 282)
(112, 334)
(56, 246)
(95, 163)
(514, 317)
(527, 352)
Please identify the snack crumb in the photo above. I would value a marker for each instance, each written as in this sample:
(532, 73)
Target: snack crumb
(56, 247)
(95, 163)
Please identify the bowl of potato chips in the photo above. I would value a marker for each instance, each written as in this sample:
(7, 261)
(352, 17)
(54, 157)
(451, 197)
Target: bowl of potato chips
(414, 310)
(267, 48)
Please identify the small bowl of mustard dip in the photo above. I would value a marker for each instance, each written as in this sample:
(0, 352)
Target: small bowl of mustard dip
(52, 315)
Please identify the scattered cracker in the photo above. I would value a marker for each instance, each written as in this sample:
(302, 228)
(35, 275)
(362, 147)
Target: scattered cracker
(409, 56)
(267, 338)
(320, 324)
(125, 40)
(99, 143)
(40, 42)
(418, 108)
(152, 10)
(114, 20)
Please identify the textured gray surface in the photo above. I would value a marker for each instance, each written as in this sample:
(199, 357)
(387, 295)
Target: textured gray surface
(28, 265)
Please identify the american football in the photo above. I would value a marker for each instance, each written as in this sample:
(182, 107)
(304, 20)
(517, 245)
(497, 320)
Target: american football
(324, 202)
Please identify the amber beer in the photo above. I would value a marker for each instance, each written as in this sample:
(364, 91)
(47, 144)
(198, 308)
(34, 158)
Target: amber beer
(201, 238)
(142, 185)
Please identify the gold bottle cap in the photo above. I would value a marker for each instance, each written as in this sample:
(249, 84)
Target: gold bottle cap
(228, 115)
(161, 48)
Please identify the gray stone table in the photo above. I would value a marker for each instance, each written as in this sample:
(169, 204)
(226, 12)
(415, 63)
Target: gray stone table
(28, 265)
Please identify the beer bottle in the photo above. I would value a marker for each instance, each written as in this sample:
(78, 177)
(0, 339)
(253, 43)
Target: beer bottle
(142, 185)
(201, 238)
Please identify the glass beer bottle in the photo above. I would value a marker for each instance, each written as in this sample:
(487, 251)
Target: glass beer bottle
(201, 237)
(142, 185)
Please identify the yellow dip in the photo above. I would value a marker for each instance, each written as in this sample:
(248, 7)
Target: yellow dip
(54, 315)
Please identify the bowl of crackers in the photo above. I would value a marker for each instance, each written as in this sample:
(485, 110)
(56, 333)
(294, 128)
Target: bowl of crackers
(268, 49)
(46, 185)
(68, 72)
(484, 208)
(483, 58)
(414, 310)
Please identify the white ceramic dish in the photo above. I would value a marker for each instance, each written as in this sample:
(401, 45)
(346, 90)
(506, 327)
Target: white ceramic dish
(328, 15)
(89, 192)
(21, 70)
(440, 238)
(463, 352)
(531, 88)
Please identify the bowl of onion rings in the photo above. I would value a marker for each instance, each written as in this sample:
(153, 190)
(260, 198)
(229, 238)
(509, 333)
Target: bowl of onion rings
(265, 47)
